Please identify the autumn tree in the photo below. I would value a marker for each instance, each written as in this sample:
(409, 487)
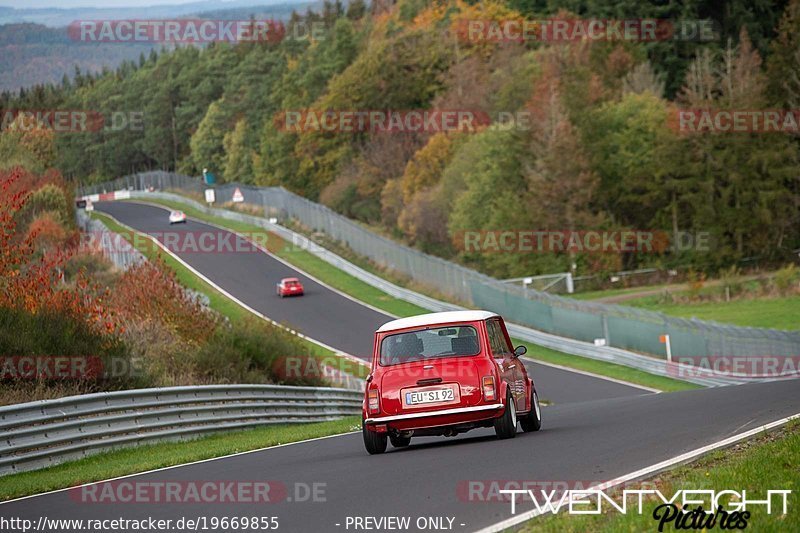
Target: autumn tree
(238, 161)
(743, 177)
(208, 150)
(783, 66)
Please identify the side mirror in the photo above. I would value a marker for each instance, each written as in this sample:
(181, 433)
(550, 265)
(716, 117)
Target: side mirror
(520, 350)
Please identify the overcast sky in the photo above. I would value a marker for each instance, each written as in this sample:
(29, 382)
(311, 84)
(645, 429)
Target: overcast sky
(23, 4)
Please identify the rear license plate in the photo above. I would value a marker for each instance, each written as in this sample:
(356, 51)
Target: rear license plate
(430, 396)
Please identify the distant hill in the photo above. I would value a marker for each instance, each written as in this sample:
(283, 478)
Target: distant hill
(34, 52)
(59, 17)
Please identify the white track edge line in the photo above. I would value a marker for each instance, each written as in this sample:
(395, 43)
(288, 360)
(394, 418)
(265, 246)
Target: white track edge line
(592, 374)
(651, 470)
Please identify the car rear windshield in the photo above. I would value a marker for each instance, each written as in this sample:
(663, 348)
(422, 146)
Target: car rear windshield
(450, 341)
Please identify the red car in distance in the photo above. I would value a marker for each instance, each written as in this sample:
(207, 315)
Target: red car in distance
(444, 374)
(289, 287)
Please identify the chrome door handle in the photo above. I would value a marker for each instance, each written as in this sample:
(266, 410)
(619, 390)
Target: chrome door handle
(511, 366)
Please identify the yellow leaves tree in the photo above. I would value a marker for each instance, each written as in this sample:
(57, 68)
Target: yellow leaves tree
(425, 169)
(28, 144)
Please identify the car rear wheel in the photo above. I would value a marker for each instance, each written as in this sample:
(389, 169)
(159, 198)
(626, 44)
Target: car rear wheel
(506, 426)
(398, 441)
(533, 420)
(374, 442)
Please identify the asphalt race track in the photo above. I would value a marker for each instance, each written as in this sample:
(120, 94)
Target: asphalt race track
(322, 314)
(595, 431)
(587, 441)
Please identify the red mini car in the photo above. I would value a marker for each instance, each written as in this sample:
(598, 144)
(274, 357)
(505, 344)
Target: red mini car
(444, 374)
(289, 287)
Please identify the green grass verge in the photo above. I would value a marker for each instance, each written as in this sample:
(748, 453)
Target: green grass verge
(624, 373)
(594, 295)
(370, 295)
(777, 313)
(769, 462)
(218, 301)
(758, 312)
(142, 458)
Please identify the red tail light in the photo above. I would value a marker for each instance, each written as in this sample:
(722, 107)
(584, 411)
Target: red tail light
(489, 393)
(373, 404)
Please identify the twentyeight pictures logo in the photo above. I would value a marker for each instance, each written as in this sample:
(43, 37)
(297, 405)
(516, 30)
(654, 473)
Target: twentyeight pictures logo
(684, 509)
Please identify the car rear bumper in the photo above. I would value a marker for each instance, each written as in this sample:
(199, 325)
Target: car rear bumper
(445, 416)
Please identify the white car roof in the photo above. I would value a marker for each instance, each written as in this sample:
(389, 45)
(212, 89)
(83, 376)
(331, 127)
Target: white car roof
(436, 318)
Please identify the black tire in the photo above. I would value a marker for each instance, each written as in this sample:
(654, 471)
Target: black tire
(506, 426)
(533, 420)
(375, 443)
(398, 441)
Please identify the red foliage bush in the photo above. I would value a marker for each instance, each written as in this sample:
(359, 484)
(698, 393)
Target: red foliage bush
(150, 291)
(47, 231)
(24, 181)
(36, 284)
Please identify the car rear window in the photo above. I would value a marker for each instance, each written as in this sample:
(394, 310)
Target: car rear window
(450, 341)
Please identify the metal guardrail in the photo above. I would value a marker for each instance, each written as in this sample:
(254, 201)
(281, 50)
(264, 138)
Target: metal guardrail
(571, 346)
(113, 247)
(47, 432)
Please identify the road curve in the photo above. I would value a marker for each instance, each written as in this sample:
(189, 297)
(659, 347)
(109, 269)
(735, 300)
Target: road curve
(580, 442)
(322, 314)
